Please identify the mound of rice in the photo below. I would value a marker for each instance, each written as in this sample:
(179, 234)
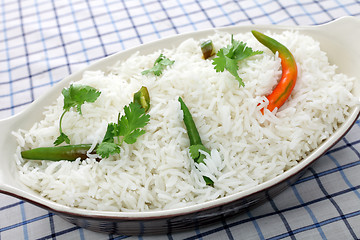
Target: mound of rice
(156, 172)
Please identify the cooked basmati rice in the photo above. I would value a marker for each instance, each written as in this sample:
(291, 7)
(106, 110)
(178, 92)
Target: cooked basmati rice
(247, 148)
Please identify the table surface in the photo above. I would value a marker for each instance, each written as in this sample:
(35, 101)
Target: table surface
(42, 41)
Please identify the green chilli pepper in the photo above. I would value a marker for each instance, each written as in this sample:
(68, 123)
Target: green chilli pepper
(68, 152)
(194, 137)
(142, 97)
(207, 49)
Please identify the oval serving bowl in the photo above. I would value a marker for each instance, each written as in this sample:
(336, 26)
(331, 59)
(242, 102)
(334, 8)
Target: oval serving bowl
(337, 39)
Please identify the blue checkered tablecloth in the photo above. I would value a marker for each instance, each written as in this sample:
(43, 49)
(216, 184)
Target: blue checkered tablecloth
(43, 41)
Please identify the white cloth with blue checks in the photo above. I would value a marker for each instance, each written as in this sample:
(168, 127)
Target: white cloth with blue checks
(42, 41)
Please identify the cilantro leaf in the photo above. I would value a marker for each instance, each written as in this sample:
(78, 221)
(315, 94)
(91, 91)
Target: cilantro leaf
(62, 138)
(109, 135)
(76, 95)
(228, 58)
(219, 62)
(132, 137)
(104, 149)
(160, 64)
(241, 51)
(199, 158)
(134, 118)
(127, 129)
(196, 155)
(131, 123)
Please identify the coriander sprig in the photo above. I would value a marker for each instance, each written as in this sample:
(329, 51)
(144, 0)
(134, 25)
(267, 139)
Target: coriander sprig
(160, 64)
(74, 97)
(127, 129)
(228, 58)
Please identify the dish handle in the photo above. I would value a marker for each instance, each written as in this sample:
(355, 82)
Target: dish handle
(342, 32)
(8, 145)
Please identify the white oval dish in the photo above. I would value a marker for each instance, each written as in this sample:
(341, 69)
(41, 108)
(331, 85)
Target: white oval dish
(338, 39)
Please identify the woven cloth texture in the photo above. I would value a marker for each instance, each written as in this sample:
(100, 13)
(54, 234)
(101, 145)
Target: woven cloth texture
(43, 41)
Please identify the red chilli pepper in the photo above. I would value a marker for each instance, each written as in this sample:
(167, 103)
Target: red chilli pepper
(289, 71)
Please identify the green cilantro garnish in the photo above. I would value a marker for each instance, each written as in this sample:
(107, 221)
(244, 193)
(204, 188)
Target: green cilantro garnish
(74, 97)
(62, 138)
(199, 158)
(106, 148)
(127, 129)
(228, 58)
(160, 63)
(196, 155)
